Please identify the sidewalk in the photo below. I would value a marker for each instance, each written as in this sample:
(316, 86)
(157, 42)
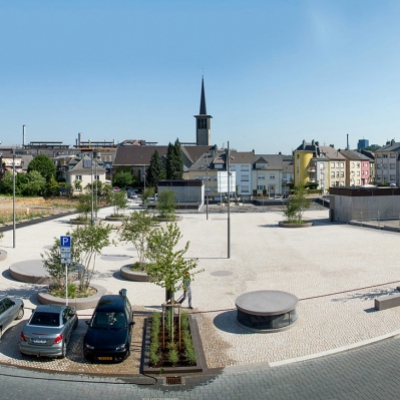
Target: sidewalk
(311, 263)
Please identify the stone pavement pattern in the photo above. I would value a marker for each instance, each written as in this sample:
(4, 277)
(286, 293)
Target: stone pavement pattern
(325, 259)
(365, 373)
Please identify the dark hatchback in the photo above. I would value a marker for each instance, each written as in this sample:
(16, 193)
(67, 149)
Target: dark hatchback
(108, 337)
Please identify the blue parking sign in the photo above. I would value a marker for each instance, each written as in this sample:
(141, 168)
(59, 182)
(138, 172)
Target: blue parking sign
(65, 241)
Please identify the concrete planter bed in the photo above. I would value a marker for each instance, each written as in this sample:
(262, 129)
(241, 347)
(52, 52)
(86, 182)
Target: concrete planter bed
(173, 219)
(111, 218)
(78, 222)
(136, 276)
(83, 303)
(304, 224)
(200, 366)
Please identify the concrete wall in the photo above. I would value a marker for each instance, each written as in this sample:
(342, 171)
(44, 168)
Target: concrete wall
(185, 193)
(364, 208)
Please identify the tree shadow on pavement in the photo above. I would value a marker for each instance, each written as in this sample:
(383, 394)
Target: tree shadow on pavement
(29, 292)
(371, 295)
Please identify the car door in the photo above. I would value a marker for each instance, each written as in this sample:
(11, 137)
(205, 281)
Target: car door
(68, 322)
(8, 311)
(2, 315)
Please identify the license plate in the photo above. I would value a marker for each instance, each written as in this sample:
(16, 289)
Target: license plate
(38, 341)
(105, 358)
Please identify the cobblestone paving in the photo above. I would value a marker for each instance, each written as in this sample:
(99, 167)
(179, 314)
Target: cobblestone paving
(325, 259)
(369, 372)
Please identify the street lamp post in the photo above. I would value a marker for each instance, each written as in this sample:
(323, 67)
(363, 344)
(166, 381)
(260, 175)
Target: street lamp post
(91, 186)
(95, 180)
(229, 202)
(13, 151)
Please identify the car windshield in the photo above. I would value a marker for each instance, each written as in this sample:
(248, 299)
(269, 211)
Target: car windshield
(109, 320)
(45, 319)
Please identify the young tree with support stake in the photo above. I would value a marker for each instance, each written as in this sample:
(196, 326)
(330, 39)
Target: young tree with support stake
(168, 265)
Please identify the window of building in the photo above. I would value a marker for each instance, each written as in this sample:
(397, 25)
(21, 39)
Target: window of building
(337, 165)
(392, 155)
(245, 178)
(332, 165)
(261, 166)
(78, 177)
(261, 176)
(97, 177)
(358, 165)
(337, 174)
(271, 176)
(342, 174)
(379, 156)
(358, 181)
(260, 187)
(392, 166)
(332, 174)
(352, 165)
(358, 173)
(245, 189)
(385, 156)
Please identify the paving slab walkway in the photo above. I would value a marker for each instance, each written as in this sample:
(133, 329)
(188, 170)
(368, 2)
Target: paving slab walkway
(335, 270)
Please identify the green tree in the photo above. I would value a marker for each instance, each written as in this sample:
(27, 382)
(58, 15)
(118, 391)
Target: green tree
(122, 179)
(119, 202)
(106, 193)
(6, 183)
(52, 187)
(88, 241)
(84, 206)
(148, 192)
(136, 230)
(43, 165)
(168, 265)
(52, 262)
(166, 203)
(174, 163)
(296, 205)
(31, 184)
(78, 185)
(156, 170)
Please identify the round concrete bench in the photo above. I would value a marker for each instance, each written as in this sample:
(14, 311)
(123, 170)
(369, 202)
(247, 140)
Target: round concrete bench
(266, 310)
(80, 304)
(136, 276)
(31, 271)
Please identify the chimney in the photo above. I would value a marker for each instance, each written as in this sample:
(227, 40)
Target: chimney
(317, 143)
(312, 142)
(23, 135)
(304, 144)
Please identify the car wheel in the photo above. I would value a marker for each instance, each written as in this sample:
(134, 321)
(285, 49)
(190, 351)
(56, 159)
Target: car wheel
(20, 313)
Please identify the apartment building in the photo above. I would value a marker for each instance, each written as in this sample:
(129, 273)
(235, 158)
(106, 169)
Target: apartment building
(357, 168)
(387, 164)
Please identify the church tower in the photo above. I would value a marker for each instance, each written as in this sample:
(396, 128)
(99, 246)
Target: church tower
(203, 121)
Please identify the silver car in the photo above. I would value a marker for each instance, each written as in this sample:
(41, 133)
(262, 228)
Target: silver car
(10, 309)
(48, 331)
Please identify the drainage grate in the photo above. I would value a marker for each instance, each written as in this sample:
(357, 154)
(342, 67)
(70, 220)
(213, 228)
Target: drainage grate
(173, 380)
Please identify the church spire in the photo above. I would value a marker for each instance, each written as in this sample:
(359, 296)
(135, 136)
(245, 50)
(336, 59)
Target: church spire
(203, 108)
(203, 120)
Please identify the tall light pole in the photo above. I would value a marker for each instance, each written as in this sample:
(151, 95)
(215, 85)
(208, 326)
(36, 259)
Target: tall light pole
(13, 151)
(207, 186)
(229, 201)
(91, 186)
(95, 179)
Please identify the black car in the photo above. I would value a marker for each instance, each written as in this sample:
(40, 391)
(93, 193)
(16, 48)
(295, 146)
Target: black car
(108, 337)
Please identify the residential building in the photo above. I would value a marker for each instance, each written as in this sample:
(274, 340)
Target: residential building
(357, 168)
(272, 174)
(387, 164)
(336, 165)
(86, 171)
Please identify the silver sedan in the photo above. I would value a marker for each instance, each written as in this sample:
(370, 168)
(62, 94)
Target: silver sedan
(10, 309)
(48, 331)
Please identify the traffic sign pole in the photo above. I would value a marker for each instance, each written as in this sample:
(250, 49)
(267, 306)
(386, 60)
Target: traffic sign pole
(65, 252)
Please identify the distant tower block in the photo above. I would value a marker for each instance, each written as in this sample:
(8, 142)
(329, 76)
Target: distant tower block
(23, 135)
(203, 121)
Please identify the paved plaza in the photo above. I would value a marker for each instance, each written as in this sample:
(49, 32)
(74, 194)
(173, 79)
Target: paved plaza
(335, 270)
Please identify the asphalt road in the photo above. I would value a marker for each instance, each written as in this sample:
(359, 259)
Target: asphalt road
(370, 372)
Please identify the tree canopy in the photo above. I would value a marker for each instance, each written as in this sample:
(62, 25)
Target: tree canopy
(122, 179)
(43, 165)
(174, 164)
(156, 170)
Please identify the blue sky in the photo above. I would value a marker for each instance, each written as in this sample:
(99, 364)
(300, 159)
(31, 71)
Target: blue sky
(276, 72)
